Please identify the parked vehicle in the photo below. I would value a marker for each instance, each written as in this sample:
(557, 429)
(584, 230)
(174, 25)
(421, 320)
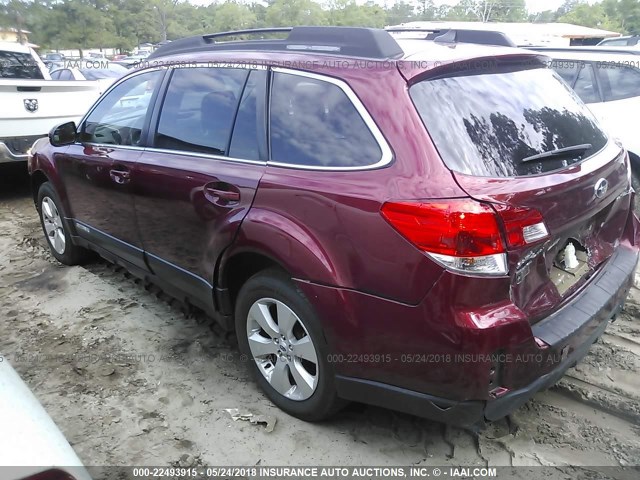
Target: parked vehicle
(625, 41)
(53, 60)
(31, 103)
(103, 72)
(132, 61)
(610, 85)
(442, 231)
(31, 445)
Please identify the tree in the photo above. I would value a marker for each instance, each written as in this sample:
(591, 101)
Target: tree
(401, 12)
(233, 16)
(548, 16)
(348, 12)
(589, 16)
(295, 12)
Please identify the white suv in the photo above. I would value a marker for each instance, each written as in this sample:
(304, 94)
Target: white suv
(609, 84)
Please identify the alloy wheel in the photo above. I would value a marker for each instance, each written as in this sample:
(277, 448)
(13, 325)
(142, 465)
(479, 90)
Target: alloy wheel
(53, 226)
(282, 349)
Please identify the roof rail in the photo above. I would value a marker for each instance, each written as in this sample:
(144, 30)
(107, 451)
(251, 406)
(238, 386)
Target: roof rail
(348, 41)
(458, 35)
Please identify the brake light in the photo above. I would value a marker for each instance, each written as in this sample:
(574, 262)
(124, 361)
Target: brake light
(523, 226)
(463, 234)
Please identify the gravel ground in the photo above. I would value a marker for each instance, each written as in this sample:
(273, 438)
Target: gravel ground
(133, 379)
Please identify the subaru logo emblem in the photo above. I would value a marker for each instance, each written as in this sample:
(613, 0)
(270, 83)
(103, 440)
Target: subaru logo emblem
(601, 188)
(31, 104)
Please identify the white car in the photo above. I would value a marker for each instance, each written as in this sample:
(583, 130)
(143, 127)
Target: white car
(103, 72)
(609, 84)
(31, 445)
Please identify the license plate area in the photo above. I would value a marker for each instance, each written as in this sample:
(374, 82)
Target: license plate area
(570, 266)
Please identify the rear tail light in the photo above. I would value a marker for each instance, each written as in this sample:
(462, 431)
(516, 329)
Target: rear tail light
(523, 226)
(465, 235)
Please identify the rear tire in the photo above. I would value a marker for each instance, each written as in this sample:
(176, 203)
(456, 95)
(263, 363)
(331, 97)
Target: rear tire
(56, 228)
(278, 330)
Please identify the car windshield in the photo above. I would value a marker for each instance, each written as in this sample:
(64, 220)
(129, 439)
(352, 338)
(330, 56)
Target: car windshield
(19, 65)
(486, 124)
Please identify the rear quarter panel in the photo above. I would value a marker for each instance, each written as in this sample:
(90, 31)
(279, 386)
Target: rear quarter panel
(326, 227)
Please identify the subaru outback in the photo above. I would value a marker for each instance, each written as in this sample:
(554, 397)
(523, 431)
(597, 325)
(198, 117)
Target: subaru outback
(431, 226)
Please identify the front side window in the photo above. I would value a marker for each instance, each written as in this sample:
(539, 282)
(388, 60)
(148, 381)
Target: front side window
(119, 117)
(314, 123)
(199, 109)
(496, 122)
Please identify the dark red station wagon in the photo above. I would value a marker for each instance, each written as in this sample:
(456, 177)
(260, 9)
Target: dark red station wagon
(432, 226)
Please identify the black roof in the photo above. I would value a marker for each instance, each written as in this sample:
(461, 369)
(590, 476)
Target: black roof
(372, 43)
(346, 41)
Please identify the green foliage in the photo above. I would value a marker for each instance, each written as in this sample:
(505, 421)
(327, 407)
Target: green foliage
(125, 24)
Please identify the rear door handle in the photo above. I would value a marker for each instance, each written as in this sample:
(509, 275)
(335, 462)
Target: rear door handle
(120, 174)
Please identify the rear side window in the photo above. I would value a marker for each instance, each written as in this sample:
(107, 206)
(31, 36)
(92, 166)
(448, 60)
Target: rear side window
(490, 124)
(248, 131)
(619, 82)
(314, 123)
(19, 65)
(199, 109)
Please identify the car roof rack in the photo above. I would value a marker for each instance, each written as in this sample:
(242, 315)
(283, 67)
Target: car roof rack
(458, 35)
(347, 41)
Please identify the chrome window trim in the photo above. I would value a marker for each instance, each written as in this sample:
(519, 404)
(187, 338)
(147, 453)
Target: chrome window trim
(112, 146)
(209, 156)
(387, 154)
(176, 152)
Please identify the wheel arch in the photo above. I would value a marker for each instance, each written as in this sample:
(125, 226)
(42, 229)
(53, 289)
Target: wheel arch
(38, 177)
(235, 268)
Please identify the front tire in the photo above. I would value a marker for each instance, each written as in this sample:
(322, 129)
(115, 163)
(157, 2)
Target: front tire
(278, 330)
(56, 228)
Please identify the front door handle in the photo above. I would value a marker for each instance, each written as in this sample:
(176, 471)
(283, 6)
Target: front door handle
(221, 193)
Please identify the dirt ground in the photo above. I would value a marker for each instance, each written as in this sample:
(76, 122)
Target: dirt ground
(131, 379)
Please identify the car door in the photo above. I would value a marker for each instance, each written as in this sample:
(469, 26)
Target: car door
(195, 185)
(98, 169)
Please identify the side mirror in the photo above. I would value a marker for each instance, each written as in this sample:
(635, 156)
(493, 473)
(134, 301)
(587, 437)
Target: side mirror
(62, 135)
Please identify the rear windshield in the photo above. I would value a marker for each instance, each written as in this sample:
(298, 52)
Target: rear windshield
(491, 124)
(19, 65)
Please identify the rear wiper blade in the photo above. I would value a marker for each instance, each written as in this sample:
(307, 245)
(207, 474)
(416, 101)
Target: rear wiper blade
(560, 152)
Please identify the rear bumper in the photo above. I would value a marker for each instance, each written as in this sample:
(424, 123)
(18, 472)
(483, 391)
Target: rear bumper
(574, 328)
(8, 154)
(392, 382)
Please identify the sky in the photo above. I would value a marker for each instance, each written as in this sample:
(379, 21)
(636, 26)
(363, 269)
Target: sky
(533, 6)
